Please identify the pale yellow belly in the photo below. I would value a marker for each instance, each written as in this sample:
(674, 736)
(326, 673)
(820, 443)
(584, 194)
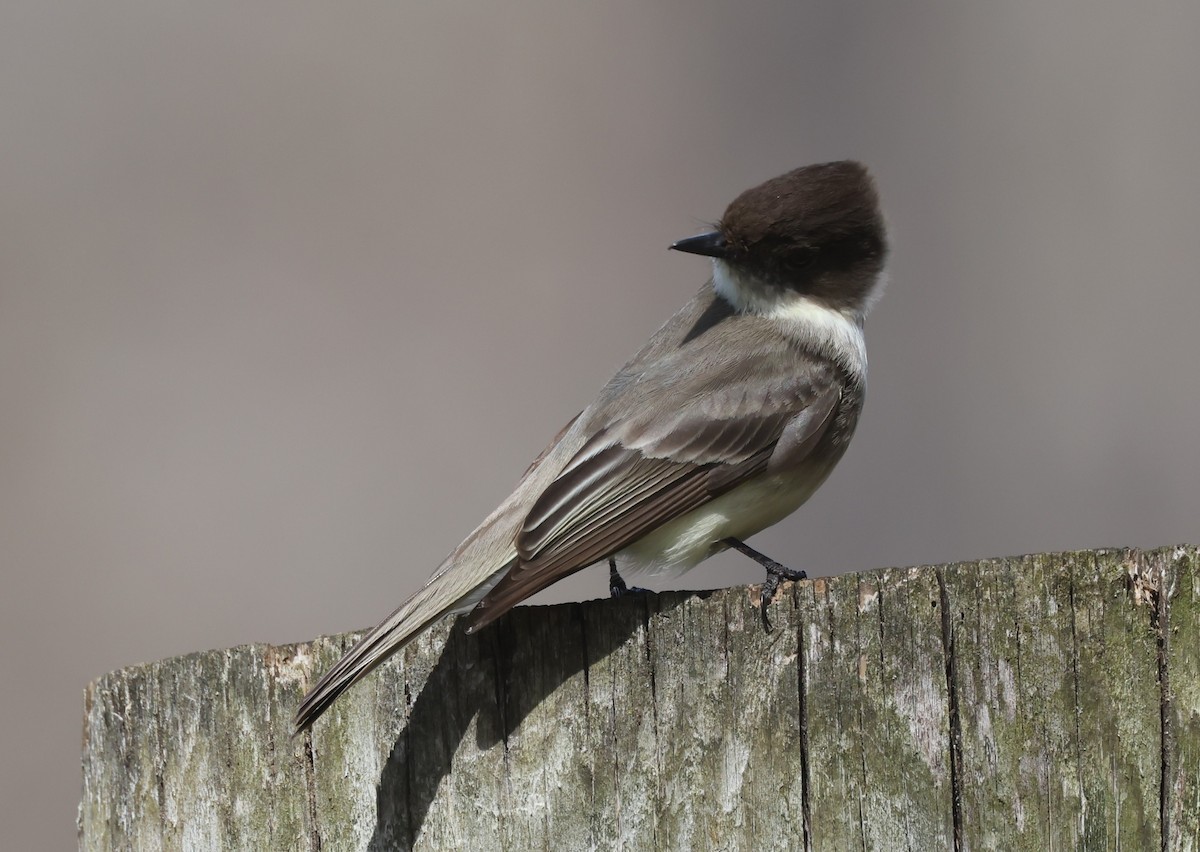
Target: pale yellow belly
(690, 539)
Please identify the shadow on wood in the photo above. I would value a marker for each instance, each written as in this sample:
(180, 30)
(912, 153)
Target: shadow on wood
(528, 655)
(1027, 703)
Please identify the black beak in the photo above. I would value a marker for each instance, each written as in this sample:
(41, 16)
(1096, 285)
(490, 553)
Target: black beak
(709, 245)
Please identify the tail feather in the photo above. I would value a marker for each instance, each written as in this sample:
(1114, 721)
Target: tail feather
(396, 631)
(461, 581)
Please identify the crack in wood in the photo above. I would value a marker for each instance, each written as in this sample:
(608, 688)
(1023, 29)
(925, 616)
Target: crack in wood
(802, 709)
(948, 649)
(580, 618)
(1161, 616)
(646, 631)
(310, 789)
(862, 746)
(1078, 707)
(410, 781)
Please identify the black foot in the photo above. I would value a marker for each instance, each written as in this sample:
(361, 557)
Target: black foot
(616, 585)
(776, 573)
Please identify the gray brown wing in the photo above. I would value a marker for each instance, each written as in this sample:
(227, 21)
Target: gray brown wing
(633, 477)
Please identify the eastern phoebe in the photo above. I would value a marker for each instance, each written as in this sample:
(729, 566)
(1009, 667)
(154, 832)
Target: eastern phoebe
(726, 421)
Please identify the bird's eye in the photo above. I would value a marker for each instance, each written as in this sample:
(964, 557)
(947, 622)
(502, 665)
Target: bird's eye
(804, 257)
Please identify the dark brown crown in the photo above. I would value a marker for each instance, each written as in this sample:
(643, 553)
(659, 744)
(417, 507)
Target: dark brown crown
(817, 229)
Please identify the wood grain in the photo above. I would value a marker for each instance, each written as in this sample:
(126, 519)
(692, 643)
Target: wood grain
(1043, 702)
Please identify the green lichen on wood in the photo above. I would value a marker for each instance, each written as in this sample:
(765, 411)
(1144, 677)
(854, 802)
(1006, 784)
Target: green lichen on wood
(1059, 698)
(877, 711)
(1018, 702)
(1183, 665)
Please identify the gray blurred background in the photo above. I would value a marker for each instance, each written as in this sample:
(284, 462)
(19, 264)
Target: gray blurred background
(290, 294)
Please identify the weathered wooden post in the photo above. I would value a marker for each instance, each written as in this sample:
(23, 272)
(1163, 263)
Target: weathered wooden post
(1046, 702)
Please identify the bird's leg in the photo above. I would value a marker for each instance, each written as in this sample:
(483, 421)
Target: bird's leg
(616, 585)
(776, 573)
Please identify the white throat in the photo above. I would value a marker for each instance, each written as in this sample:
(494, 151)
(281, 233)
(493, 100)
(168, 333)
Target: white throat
(812, 323)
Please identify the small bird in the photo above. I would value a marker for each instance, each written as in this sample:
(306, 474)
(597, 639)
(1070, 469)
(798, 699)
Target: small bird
(727, 420)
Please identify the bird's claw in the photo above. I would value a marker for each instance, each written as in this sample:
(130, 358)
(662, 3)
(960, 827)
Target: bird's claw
(770, 587)
(776, 573)
(616, 584)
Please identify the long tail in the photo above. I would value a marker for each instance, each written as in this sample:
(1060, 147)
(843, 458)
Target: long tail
(396, 631)
(461, 581)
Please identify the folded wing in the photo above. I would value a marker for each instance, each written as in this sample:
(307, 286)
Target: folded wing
(641, 472)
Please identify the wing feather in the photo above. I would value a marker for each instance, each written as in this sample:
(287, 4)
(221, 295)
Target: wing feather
(705, 432)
